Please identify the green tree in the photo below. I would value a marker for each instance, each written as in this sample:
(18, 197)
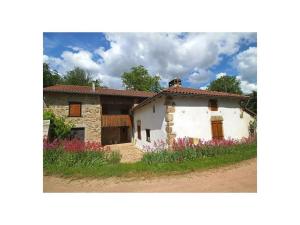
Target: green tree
(139, 79)
(50, 78)
(80, 77)
(251, 103)
(59, 127)
(226, 84)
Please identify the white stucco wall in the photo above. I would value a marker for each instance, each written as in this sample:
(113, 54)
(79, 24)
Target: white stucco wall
(192, 118)
(149, 120)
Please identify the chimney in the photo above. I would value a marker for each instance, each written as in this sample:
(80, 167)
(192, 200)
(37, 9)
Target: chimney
(93, 86)
(175, 83)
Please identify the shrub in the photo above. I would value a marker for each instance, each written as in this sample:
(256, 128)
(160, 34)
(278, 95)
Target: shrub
(76, 153)
(253, 126)
(64, 159)
(59, 128)
(114, 157)
(72, 145)
(184, 150)
(52, 156)
(48, 145)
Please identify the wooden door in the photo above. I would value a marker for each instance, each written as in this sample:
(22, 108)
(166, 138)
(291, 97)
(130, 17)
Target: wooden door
(217, 129)
(124, 134)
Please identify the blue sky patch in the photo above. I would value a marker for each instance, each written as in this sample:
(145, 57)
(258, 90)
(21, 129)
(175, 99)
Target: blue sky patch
(195, 57)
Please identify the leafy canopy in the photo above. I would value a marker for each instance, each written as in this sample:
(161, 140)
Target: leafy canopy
(251, 103)
(59, 127)
(50, 78)
(226, 84)
(79, 76)
(139, 79)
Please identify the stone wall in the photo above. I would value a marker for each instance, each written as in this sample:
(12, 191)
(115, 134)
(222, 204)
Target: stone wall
(91, 111)
(170, 109)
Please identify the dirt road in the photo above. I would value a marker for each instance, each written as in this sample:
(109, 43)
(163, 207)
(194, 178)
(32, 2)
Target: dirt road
(240, 177)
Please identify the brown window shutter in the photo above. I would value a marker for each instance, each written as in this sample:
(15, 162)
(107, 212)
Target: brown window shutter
(75, 109)
(217, 129)
(214, 130)
(220, 130)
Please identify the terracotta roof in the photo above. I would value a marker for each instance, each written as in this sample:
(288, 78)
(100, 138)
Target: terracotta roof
(98, 91)
(190, 92)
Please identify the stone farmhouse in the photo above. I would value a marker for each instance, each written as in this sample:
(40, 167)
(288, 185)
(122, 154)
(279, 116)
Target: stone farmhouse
(98, 114)
(114, 116)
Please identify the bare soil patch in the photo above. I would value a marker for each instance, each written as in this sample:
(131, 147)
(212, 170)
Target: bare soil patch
(240, 177)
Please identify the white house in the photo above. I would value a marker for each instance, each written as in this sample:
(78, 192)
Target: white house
(179, 112)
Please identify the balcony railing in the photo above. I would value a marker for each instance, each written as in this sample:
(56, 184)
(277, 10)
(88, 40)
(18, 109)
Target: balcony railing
(116, 121)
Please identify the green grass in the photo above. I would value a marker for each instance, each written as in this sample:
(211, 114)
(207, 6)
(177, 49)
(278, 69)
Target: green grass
(143, 169)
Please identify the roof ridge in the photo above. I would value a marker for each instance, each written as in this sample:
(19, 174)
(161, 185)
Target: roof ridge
(102, 88)
(98, 91)
(200, 90)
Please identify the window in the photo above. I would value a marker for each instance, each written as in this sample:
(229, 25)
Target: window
(153, 108)
(148, 135)
(213, 104)
(75, 109)
(139, 129)
(77, 133)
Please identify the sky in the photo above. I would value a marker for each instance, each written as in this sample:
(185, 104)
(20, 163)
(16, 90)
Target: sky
(196, 58)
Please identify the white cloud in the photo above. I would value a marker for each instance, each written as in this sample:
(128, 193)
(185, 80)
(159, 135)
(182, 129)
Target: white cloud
(219, 75)
(246, 86)
(246, 64)
(81, 59)
(204, 87)
(200, 76)
(169, 54)
(69, 60)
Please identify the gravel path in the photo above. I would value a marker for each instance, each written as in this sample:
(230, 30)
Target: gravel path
(129, 152)
(239, 177)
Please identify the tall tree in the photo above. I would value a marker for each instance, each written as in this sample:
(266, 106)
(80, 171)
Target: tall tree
(80, 77)
(251, 103)
(50, 77)
(226, 84)
(139, 79)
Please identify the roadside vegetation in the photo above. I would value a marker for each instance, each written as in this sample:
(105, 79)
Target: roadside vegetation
(59, 127)
(78, 159)
(64, 154)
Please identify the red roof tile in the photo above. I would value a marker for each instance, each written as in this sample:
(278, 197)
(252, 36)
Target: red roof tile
(190, 92)
(98, 91)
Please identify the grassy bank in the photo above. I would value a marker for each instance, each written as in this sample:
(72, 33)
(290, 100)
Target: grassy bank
(153, 169)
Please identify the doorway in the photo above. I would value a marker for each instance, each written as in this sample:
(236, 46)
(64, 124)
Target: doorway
(115, 135)
(124, 134)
